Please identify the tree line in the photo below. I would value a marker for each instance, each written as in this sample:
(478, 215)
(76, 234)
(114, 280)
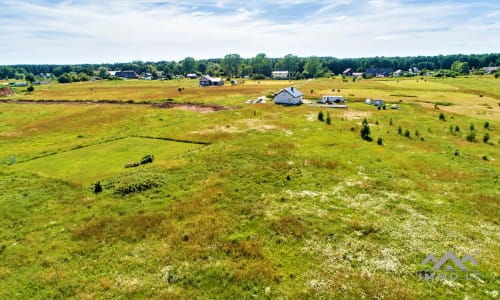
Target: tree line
(260, 66)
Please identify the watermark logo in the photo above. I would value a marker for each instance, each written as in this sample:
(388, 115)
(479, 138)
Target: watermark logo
(450, 267)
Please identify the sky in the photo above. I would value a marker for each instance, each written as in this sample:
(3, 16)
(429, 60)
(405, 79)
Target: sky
(109, 31)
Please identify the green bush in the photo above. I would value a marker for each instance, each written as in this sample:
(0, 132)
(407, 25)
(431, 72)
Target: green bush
(365, 131)
(137, 181)
(147, 159)
(320, 116)
(258, 77)
(380, 141)
(486, 137)
(442, 117)
(471, 137)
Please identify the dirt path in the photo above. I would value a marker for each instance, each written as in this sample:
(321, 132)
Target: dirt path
(197, 107)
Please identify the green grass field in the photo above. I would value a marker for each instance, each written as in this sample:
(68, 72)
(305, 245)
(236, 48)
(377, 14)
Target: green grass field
(273, 204)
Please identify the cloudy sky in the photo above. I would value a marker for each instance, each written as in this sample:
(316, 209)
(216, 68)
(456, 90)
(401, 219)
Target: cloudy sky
(106, 31)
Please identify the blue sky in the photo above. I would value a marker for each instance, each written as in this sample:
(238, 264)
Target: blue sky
(97, 31)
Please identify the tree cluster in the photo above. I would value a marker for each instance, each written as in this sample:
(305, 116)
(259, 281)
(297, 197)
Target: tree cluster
(261, 66)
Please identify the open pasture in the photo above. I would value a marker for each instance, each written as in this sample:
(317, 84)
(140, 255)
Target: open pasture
(277, 205)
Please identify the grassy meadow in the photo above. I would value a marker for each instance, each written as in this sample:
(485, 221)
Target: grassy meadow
(256, 201)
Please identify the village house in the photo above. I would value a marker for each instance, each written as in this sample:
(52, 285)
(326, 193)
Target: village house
(191, 76)
(378, 72)
(288, 96)
(127, 74)
(280, 74)
(206, 80)
(489, 70)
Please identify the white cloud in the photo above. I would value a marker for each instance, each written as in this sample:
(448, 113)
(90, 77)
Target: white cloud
(111, 31)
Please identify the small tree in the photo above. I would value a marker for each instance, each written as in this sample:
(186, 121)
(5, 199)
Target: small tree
(442, 117)
(400, 130)
(97, 187)
(30, 89)
(30, 78)
(471, 137)
(487, 125)
(380, 141)
(328, 118)
(486, 137)
(365, 131)
(407, 133)
(471, 127)
(457, 129)
(320, 116)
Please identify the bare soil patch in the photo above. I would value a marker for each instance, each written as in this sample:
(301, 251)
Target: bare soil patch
(196, 107)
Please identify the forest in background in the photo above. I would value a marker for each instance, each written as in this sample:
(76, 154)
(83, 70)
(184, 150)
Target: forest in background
(259, 67)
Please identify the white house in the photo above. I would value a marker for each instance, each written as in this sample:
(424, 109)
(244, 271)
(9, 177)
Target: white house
(489, 70)
(288, 96)
(280, 74)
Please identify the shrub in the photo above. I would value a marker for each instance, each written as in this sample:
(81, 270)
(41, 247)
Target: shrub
(457, 129)
(365, 131)
(137, 181)
(328, 118)
(320, 116)
(132, 165)
(487, 125)
(258, 77)
(407, 133)
(97, 187)
(486, 137)
(390, 121)
(30, 89)
(442, 117)
(471, 137)
(400, 130)
(147, 159)
(471, 127)
(380, 141)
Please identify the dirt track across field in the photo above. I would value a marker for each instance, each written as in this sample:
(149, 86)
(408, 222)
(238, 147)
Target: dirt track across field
(197, 107)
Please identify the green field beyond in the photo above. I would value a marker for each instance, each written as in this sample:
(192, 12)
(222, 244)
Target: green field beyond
(90, 164)
(251, 201)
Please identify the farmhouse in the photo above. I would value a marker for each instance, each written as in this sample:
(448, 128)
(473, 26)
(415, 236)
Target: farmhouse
(280, 74)
(192, 76)
(489, 70)
(206, 80)
(288, 96)
(378, 72)
(127, 74)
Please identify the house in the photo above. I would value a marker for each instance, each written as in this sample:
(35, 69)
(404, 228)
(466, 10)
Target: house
(398, 73)
(378, 72)
(206, 80)
(127, 74)
(280, 74)
(414, 71)
(192, 76)
(288, 96)
(489, 70)
(347, 72)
